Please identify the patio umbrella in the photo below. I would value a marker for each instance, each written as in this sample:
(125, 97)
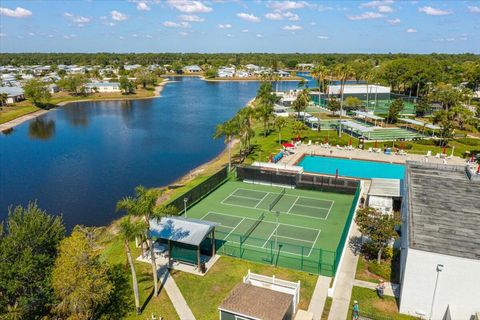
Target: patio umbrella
(376, 144)
(350, 142)
(288, 145)
(444, 150)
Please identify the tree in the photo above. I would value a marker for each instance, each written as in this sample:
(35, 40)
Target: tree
(3, 99)
(75, 84)
(298, 127)
(301, 102)
(128, 231)
(352, 103)
(265, 101)
(280, 123)
(28, 248)
(80, 279)
(211, 73)
(378, 227)
(423, 107)
(143, 205)
(333, 105)
(126, 86)
(343, 72)
(37, 91)
(228, 131)
(394, 110)
(145, 77)
(320, 73)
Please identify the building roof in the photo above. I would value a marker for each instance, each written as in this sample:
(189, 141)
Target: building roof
(12, 91)
(384, 187)
(443, 210)
(257, 302)
(187, 231)
(102, 84)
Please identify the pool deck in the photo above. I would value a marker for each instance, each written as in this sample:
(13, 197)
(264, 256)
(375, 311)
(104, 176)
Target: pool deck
(303, 149)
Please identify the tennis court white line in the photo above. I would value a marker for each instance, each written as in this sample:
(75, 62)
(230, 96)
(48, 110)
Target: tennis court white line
(233, 229)
(294, 195)
(270, 235)
(296, 239)
(262, 199)
(249, 190)
(333, 202)
(298, 197)
(317, 208)
(313, 244)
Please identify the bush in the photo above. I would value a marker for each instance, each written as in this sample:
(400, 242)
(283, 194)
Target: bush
(370, 251)
(382, 270)
(469, 141)
(430, 142)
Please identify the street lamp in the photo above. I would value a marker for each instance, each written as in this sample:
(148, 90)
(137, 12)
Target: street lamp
(185, 200)
(439, 269)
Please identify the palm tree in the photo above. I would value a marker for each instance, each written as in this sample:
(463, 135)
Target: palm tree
(265, 101)
(298, 127)
(128, 232)
(3, 99)
(342, 72)
(242, 122)
(300, 104)
(227, 130)
(320, 73)
(143, 205)
(280, 123)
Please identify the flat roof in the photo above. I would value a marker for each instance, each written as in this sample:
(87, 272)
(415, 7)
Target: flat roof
(183, 230)
(12, 91)
(356, 126)
(368, 115)
(384, 187)
(443, 210)
(420, 123)
(257, 302)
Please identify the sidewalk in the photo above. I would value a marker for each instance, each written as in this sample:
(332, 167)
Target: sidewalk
(178, 301)
(317, 303)
(391, 289)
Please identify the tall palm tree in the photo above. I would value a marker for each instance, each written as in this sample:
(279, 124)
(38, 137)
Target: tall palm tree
(228, 131)
(280, 123)
(342, 72)
(265, 101)
(143, 205)
(300, 104)
(320, 73)
(128, 232)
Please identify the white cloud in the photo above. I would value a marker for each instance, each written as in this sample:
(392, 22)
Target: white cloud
(31, 34)
(291, 16)
(171, 24)
(384, 9)
(259, 35)
(121, 37)
(191, 18)
(183, 33)
(292, 28)
(69, 36)
(135, 35)
(19, 12)
(248, 17)
(245, 30)
(376, 3)
(366, 16)
(2, 34)
(50, 36)
(411, 30)
(273, 16)
(224, 26)
(80, 21)
(433, 11)
(188, 6)
(118, 16)
(148, 36)
(323, 37)
(474, 9)
(322, 8)
(109, 23)
(229, 35)
(143, 6)
(287, 5)
(394, 21)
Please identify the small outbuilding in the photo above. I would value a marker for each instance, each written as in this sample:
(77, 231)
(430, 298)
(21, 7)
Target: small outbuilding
(14, 94)
(385, 195)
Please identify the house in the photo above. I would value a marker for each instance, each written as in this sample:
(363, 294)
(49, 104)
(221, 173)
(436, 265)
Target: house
(440, 254)
(384, 195)
(283, 74)
(360, 91)
(242, 74)
(102, 87)
(14, 94)
(305, 66)
(53, 88)
(130, 67)
(192, 69)
(251, 67)
(261, 297)
(226, 72)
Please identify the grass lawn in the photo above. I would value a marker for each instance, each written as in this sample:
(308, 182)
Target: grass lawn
(205, 294)
(326, 308)
(65, 96)
(15, 111)
(371, 306)
(114, 253)
(388, 270)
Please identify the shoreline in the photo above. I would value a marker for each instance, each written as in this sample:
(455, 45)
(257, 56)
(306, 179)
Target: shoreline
(202, 77)
(17, 121)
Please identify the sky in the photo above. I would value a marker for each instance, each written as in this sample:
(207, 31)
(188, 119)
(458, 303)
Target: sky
(377, 26)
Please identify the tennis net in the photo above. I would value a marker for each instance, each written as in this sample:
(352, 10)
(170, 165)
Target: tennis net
(275, 201)
(250, 230)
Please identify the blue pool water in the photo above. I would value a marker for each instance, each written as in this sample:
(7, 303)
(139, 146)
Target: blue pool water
(352, 168)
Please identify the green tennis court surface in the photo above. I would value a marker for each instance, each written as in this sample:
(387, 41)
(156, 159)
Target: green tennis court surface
(298, 229)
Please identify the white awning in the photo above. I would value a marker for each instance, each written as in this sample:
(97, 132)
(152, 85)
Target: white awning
(420, 123)
(368, 115)
(385, 187)
(188, 231)
(356, 126)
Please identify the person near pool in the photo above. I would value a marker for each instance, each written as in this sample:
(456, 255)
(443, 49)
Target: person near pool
(356, 310)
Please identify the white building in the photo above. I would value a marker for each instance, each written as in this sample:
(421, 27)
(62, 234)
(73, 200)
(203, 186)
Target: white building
(14, 94)
(360, 91)
(192, 69)
(53, 88)
(305, 66)
(384, 195)
(102, 87)
(440, 256)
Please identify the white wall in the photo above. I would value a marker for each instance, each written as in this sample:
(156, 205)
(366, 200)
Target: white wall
(358, 89)
(458, 285)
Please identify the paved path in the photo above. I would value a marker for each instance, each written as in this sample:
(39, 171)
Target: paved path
(317, 303)
(391, 289)
(346, 277)
(178, 301)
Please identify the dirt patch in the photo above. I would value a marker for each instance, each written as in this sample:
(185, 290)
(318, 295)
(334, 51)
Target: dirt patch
(387, 306)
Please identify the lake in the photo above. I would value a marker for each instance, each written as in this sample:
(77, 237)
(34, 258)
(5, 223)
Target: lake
(79, 160)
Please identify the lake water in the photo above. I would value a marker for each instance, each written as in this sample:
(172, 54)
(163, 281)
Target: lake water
(81, 159)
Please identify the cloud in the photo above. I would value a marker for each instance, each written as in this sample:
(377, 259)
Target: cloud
(394, 21)
(411, 30)
(80, 21)
(31, 34)
(171, 24)
(287, 5)
(143, 6)
(69, 36)
(121, 37)
(376, 3)
(189, 6)
(323, 37)
(474, 9)
(109, 23)
(118, 16)
(434, 12)
(245, 30)
(229, 35)
(292, 28)
(384, 9)
(19, 12)
(366, 16)
(2, 34)
(148, 36)
(224, 26)
(279, 16)
(291, 16)
(191, 18)
(259, 35)
(183, 33)
(248, 17)
(274, 16)
(322, 8)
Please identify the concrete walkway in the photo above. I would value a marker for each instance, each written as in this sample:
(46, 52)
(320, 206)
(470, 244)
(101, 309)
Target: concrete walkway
(178, 301)
(346, 278)
(391, 289)
(317, 303)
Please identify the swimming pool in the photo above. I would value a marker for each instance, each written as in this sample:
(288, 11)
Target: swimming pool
(352, 168)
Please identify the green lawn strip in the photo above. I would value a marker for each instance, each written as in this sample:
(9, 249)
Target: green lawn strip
(373, 307)
(326, 308)
(205, 294)
(114, 253)
(364, 273)
(13, 112)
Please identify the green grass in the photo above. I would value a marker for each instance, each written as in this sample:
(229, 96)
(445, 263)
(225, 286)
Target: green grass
(205, 294)
(114, 253)
(326, 308)
(16, 111)
(371, 306)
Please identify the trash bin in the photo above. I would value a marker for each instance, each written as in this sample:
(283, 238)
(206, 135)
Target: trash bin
(203, 268)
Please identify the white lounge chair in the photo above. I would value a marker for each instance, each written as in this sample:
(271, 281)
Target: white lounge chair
(429, 153)
(370, 149)
(309, 143)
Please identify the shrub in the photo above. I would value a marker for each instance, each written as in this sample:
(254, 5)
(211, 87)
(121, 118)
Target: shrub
(469, 141)
(382, 270)
(430, 142)
(369, 250)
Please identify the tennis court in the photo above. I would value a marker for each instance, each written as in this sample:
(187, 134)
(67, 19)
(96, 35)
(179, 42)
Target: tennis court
(295, 228)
